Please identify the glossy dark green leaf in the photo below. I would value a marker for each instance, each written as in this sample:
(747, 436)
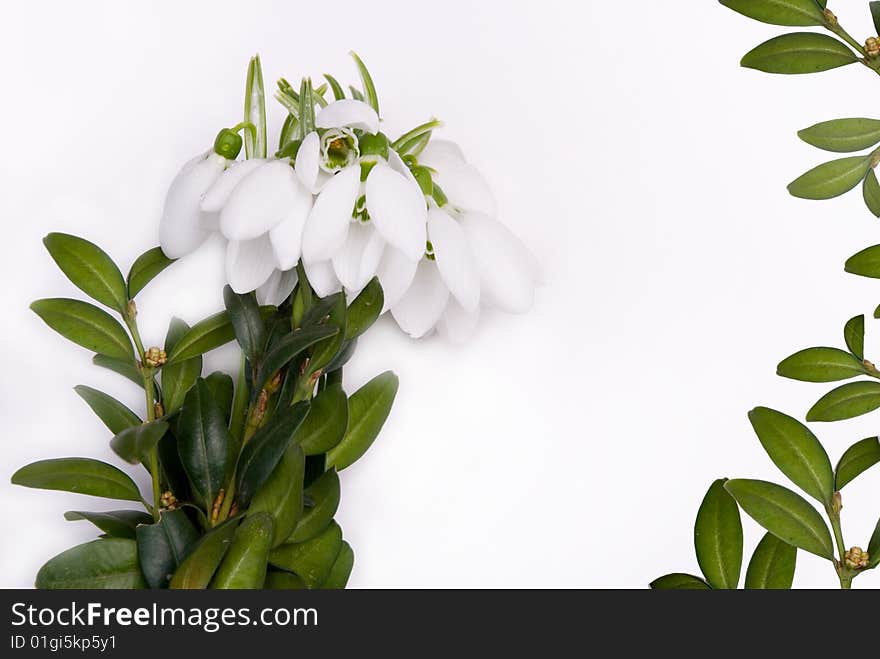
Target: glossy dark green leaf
(85, 325)
(792, 13)
(820, 365)
(89, 268)
(247, 322)
(262, 453)
(341, 570)
(831, 179)
(679, 581)
(177, 378)
(197, 569)
(875, 14)
(857, 459)
(222, 390)
(203, 443)
(874, 548)
(291, 346)
(368, 408)
(718, 537)
(346, 352)
(871, 193)
(783, 513)
(115, 523)
(866, 263)
(772, 565)
(843, 135)
(135, 443)
(80, 475)
(145, 268)
(324, 351)
(846, 402)
(799, 52)
(172, 474)
(280, 580)
(108, 563)
(163, 546)
(321, 309)
(326, 423)
(365, 309)
(124, 367)
(796, 451)
(281, 496)
(244, 565)
(116, 416)
(854, 335)
(312, 560)
(323, 494)
(206, 335)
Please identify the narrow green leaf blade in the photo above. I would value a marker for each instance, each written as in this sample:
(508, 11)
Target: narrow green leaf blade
(281, 496)
(179, 377)
(135, 443)
(145, 268)
(86, 325)
(798, 53)
(89, 268)
(718, 537)
(108, 563)
(820, 365)
(792, 13)
(247, 322)
(115, 523)
(289, 347)
(854, 335)
(80, 475)
(365, 309)
(679, 581)
(368, 408)
(197, 569)
(255, 143)
(163, 546)
(843, 135)
(772, 565)
(206, 335)
(783, 513)
(370, 96)
(846, 402)
(324, 495)
(116, 416)
(857, 459)
(244, 565)
(831, 179)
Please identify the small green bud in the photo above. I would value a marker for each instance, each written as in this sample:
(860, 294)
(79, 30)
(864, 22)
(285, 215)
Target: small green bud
(423, 178)
(228, 144)
(373, 145)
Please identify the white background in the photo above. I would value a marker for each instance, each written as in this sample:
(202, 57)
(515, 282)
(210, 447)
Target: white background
(566, 448)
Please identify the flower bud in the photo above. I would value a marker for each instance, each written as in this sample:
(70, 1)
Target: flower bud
(856, 559)
(168, 500)
(836, 503)
(155, 357)
(227, 144)
(872, 47)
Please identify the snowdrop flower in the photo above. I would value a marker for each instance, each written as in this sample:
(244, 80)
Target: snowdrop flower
(369, 213)
(472, 259)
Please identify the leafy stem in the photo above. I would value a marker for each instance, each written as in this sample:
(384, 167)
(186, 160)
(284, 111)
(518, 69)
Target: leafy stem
(834, 26)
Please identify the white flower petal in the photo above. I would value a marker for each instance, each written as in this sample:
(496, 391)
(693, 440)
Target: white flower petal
(454, 259)
(286, 236)
(260, 201)
(308, 160)
(249, 263)
(328, 222)
(348, 112)
(421, 307)
(277, 288)
(462, 184)
(398, 210)
(322, 278)
(356, 262)
(218, 194)
(395, 273)
(457, 325)
(439, 151)
(396, 163)
(506, 276)
(180, 230)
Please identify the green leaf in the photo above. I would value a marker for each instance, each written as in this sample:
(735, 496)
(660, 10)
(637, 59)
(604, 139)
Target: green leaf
(116, 416)
(255, 143)
(370, 96)
(115, 523)
(338, 93)
(197, 569)
(799, 52)
(866, 263)
(779, 12)
(857, 459)
(854, 335)
(222, 390)
(250, 330)
(80, 475)
(206, 335)
(261, 454)
(679, 581)
(163, 546)
(874, 548)
(289, 347)
(312, 560)
(843, 135)
(846, 402)
(341, 570)
(282, 494)
(203, 443)
(875, 14)
(85, 325)
(368, 408)
(108, 563)
(324, 351)
(179, 377)
(145, 268)
(871, 193)
(324, 496)
(796, 451)
(718, 537)
(135, 443)
(772, 565)
(89, 268)
(831, 179)
(244, 566)
(125, 368)
(785, 514)
(346, 352)
(820, 365)
(365, 309)
(326, 423)
(280, 580)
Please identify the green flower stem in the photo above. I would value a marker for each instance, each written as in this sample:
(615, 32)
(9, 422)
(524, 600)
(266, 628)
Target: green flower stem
(834, 26)
(844, 574)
